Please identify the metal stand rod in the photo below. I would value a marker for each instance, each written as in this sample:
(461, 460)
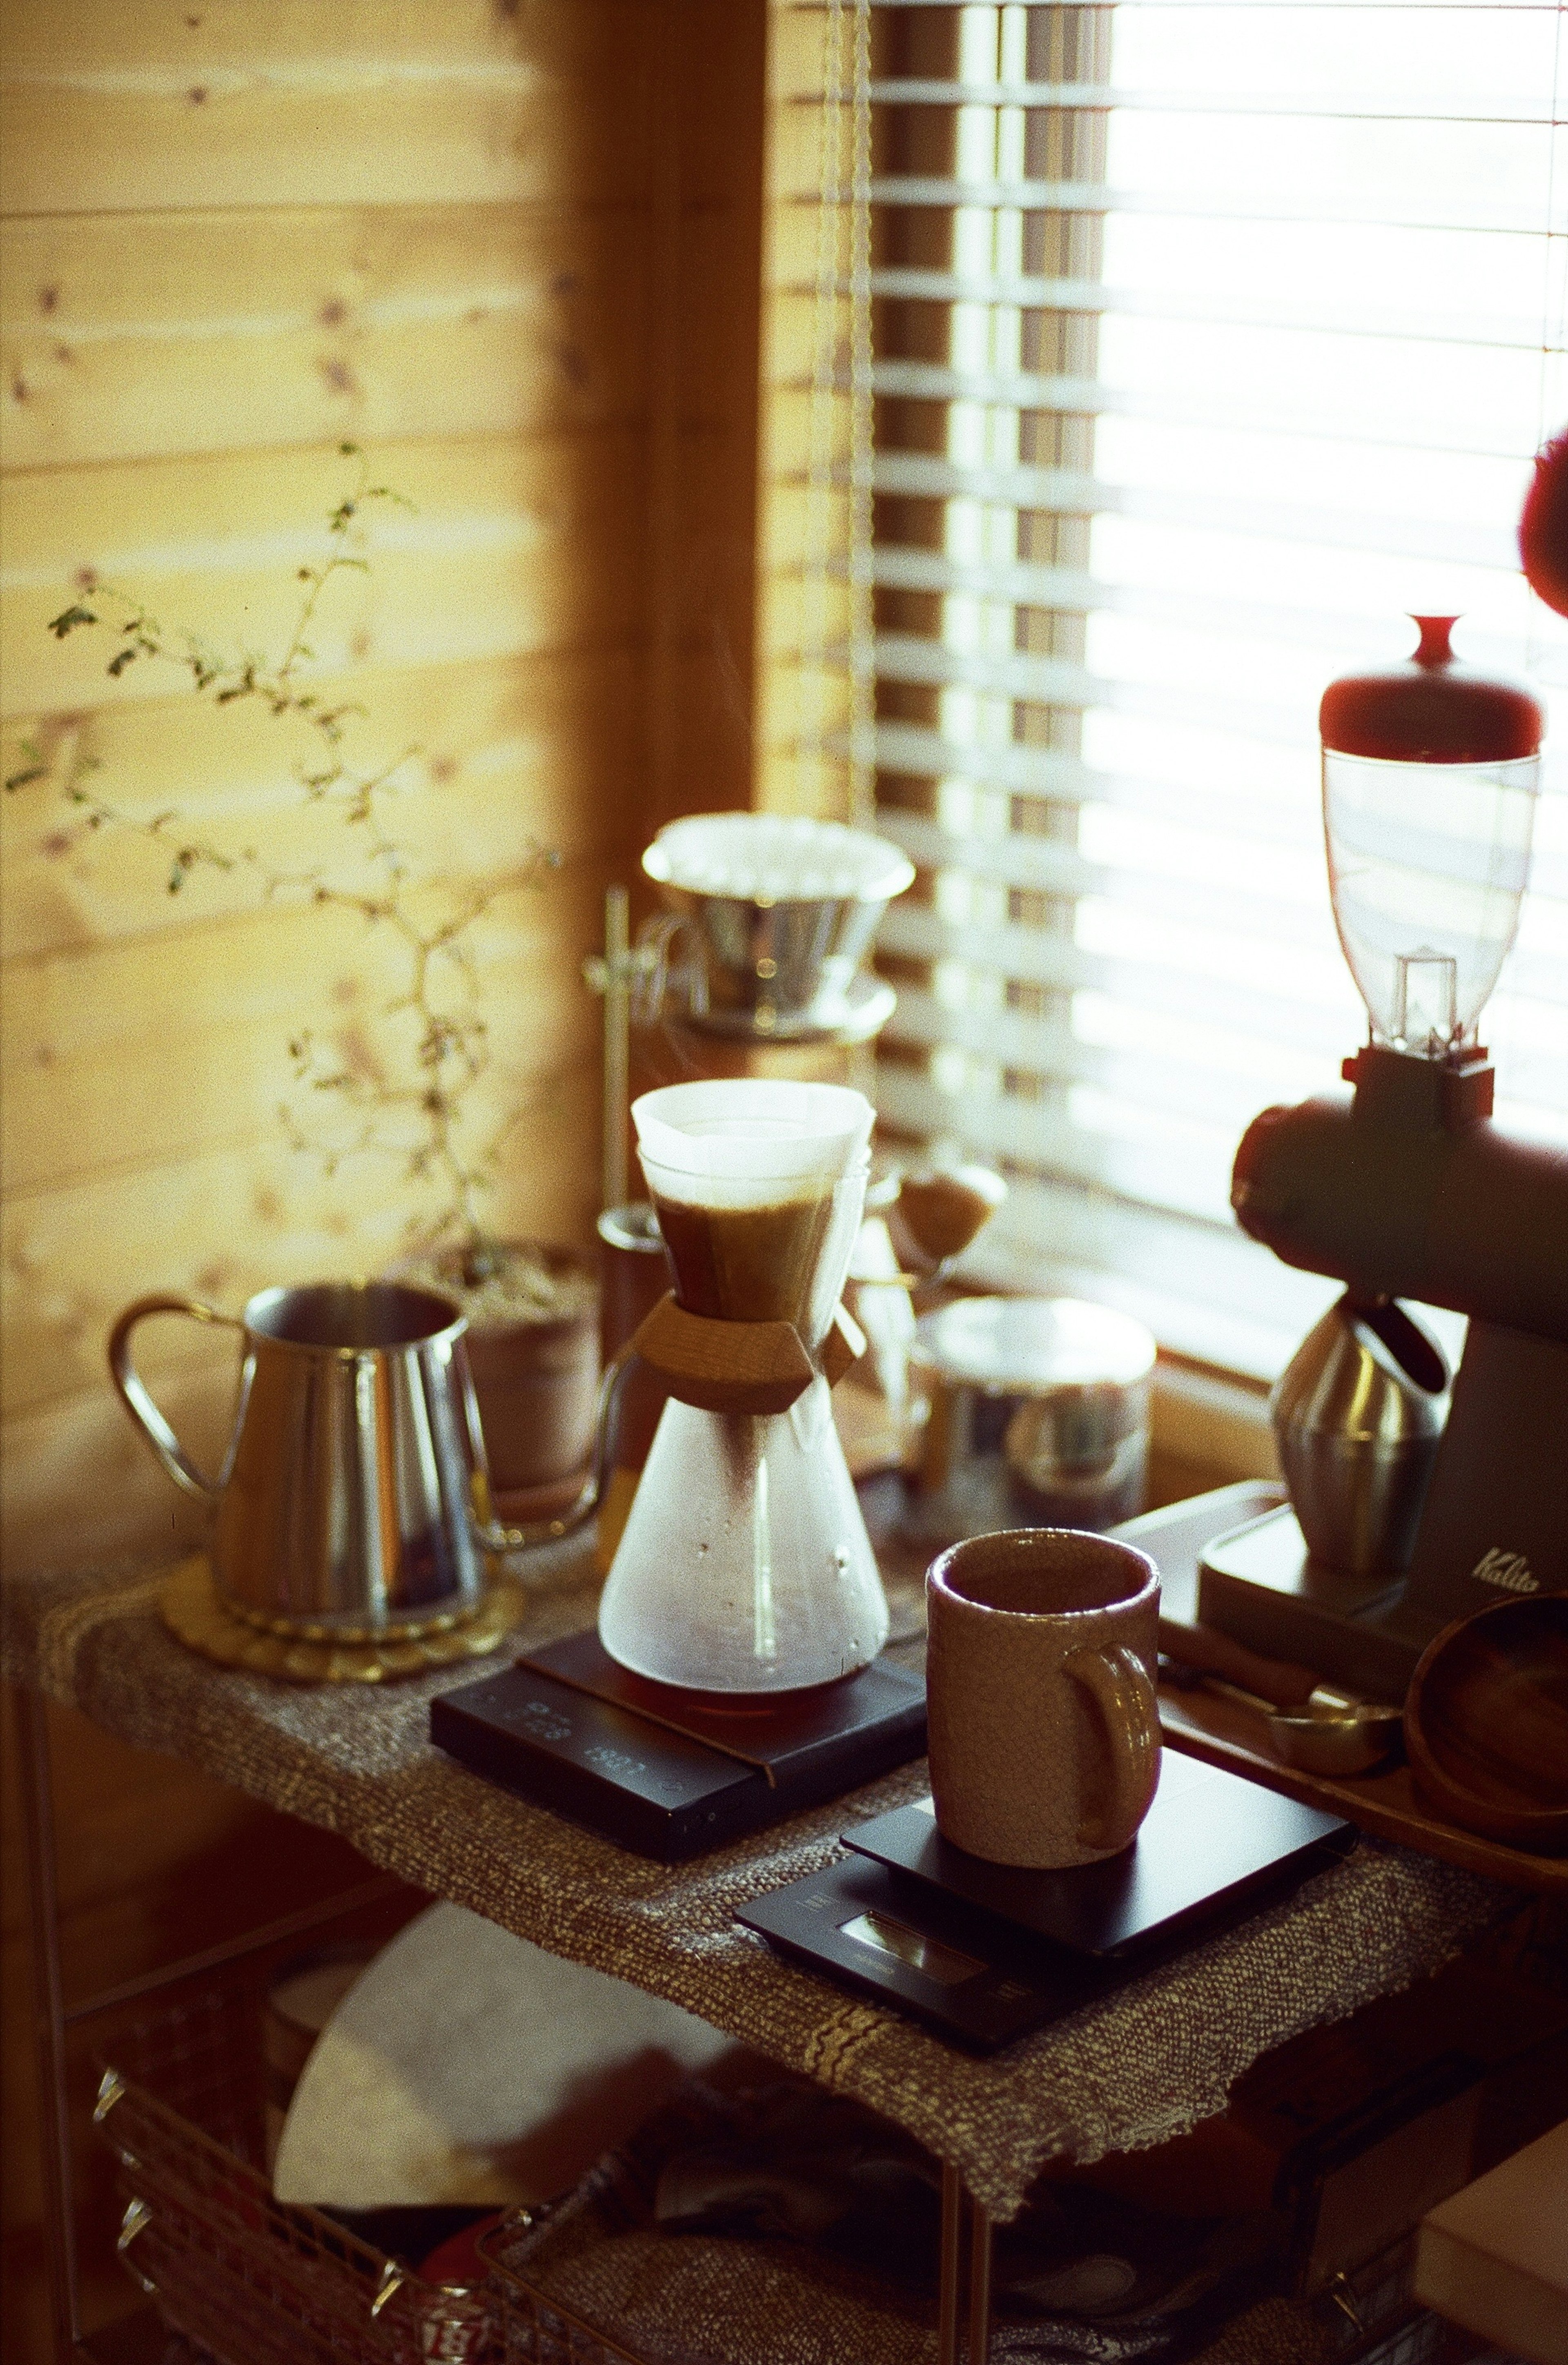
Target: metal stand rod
(49, 2016)
(980, 2284)
(952, 2266)
(617, 1042)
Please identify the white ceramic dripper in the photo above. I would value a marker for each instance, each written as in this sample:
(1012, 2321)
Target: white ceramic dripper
(744, 1566)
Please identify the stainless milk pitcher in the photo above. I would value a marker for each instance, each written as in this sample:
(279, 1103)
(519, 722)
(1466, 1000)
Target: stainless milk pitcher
(354, 1497)
(1359, 1414)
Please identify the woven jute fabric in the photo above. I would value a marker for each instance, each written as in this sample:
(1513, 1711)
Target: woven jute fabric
(620, 2254)
(1145, 2064)
(684, 2303)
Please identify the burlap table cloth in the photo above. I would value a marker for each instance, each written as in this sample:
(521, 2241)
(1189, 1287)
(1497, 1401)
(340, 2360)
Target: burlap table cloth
(1140, 2066)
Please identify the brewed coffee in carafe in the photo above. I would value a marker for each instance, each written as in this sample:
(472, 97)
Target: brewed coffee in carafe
(745, 1567)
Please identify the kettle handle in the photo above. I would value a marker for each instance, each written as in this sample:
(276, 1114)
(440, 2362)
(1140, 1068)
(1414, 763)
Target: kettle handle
(138, 1403)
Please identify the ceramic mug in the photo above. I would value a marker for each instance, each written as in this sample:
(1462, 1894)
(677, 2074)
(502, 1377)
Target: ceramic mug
(1044, 1731)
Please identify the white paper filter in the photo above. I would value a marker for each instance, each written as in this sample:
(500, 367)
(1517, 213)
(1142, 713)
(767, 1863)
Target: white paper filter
(777, 858)
(747, 1143)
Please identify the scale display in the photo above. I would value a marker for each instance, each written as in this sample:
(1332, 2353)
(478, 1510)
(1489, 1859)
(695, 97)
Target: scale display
(944, 1964)
(878, 1934)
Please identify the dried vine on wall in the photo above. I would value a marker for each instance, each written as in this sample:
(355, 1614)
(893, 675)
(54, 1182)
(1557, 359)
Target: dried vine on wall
(409, 1100)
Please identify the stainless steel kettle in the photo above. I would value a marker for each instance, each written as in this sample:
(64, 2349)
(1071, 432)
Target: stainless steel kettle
(354, 1498)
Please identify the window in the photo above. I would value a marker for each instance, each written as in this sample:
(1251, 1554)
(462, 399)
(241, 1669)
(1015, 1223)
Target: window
(1211, 336)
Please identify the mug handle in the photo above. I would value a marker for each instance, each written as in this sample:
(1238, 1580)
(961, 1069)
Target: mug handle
(138, 1403)
(493, 1535)
(1117, 1684)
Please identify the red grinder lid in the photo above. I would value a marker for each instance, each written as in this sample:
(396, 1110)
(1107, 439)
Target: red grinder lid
(1430, 710)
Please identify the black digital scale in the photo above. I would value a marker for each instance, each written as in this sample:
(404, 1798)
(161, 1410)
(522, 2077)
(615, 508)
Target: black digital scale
(979, 1952)
(982, 1953)
(670, 1773)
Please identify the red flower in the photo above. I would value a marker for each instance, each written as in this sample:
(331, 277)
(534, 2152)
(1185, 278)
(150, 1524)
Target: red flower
(1543, 526)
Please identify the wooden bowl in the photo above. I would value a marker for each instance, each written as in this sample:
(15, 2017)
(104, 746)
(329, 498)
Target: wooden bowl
(1486, 1723)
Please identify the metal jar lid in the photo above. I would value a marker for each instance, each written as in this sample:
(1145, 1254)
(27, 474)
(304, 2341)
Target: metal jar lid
(1031, 1345)
(1038, 1410)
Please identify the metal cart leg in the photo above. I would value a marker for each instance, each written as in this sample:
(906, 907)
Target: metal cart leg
(950, 2293)
(49, 2015)
(952, 2266)
(979, 2285)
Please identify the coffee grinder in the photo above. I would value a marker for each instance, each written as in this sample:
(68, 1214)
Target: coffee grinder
(1407, 1189)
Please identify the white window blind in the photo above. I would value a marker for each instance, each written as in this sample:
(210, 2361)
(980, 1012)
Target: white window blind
(1211, 337)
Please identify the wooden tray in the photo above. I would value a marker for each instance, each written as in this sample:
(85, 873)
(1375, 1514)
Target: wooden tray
(1223, 1733)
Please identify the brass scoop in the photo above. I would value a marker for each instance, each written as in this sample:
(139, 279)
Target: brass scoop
(1312, 1726)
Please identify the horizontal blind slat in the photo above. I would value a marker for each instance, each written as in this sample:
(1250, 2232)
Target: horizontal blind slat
(926, 382)
(1225, 308)
(1016, 860)
(1103, 98)
(1215, 921)
(998, 1127)
(1049, 1051)
(1039, 772)
(907, 566)
(1496, 216)
(1050, 681)
(1449, 541)
(1199, 1289)
(1068, 780)
(1251, 7)
(1037, 956)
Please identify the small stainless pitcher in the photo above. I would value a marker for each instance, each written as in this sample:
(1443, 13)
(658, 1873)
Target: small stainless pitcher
(1359, 1413)
(354, 1497)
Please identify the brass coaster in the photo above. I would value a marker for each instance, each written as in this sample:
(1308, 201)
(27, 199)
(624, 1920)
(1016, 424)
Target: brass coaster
(195, 1615)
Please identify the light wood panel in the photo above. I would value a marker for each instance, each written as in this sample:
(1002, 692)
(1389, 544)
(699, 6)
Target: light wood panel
(796, 321)
(223, 1221)
(790, 260)
(136, 337)
(797, 608)
(186, 1037)
(803, 687)
(510, 752)
(795, 154)
(791, 429)
(514, 250)
(143, 105)
(490, 560)
(795, 63)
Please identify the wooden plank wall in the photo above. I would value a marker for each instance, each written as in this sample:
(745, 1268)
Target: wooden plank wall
(511, 247)
(506, 248)
(803, 611)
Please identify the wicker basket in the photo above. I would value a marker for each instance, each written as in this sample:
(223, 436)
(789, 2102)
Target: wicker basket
(179, 2104)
